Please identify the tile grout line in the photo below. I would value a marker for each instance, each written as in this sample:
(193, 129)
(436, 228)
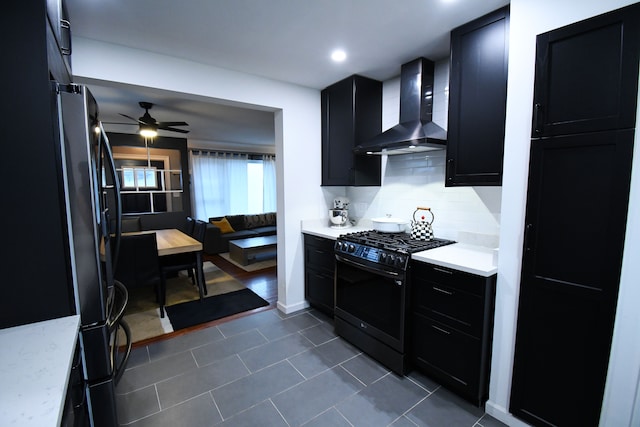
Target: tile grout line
(213, 399)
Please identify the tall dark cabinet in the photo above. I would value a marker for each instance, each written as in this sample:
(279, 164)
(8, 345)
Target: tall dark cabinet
(31, 168)
(579, 181)
(478, 100)
(351, 113)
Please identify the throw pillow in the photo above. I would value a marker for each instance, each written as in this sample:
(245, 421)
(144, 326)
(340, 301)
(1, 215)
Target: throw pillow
(224, 226)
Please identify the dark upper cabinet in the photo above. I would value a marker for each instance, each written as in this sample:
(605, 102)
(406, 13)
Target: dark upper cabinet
(351, 113)
(578, 193)
(584, 73)
(60, 43)
(477, 101)
(40, 46)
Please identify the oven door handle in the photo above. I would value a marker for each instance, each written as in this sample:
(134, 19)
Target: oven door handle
(380, 272)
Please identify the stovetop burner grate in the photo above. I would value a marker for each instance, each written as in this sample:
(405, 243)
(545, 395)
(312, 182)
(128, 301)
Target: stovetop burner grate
(401, 242)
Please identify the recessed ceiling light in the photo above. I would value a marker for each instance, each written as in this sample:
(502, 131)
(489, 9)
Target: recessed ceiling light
(338, 55)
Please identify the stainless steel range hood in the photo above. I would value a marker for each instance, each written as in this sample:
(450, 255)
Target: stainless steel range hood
(415, 132)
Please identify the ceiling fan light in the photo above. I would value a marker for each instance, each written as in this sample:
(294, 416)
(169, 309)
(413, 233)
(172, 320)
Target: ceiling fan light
(148, 131)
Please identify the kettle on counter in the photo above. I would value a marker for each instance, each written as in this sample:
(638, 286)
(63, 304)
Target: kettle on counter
(421, 228)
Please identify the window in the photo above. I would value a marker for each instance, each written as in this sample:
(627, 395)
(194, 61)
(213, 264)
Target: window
(143, 178)
(255, 186)
(231, 183)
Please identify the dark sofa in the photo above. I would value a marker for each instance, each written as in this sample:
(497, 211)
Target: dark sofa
(155, 221)
(243, 227)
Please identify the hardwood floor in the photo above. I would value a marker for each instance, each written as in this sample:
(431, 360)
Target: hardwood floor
(262, 282)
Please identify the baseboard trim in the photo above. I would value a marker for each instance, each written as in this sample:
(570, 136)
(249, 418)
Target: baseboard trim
(288, 309)
(500, 413)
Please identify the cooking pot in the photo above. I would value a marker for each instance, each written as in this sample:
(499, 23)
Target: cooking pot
(389, 224)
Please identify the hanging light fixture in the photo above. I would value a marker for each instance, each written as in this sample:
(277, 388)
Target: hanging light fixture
(148, 130)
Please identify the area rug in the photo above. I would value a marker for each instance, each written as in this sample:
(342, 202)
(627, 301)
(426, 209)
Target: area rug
(254, 266)
(143, 315)
(192, 313)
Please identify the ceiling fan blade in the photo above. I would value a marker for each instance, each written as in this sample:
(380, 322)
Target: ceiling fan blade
(173, 129)
(120, 123)
(173, 124)
(131, 118)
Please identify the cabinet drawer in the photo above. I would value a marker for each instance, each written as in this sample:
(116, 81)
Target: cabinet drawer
(319, 242)
(319, 289)
(319, 253)
(447, 353)
(460, 280)
(459, 309)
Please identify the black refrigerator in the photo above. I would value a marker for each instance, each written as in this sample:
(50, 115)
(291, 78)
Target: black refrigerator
(56, 267)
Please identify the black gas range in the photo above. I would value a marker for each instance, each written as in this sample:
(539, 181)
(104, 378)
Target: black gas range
(372, 292)
(385, 249)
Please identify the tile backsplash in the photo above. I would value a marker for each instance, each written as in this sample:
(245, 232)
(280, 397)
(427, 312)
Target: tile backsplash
(412, 180)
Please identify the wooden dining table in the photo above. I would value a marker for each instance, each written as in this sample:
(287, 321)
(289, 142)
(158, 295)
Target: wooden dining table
(172, 241)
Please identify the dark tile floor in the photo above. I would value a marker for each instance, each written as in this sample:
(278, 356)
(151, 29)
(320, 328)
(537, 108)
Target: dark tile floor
(269, 369)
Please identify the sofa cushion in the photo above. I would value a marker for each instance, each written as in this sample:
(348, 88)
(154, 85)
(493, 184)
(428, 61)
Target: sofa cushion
(236, 221)
(224, 226)
(265, 231)
(259, 220)
(242, 234)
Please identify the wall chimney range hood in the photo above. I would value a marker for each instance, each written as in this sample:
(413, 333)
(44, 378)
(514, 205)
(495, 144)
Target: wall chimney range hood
(415, 132)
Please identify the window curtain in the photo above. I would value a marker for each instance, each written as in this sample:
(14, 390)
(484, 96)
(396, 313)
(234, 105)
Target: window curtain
(219, 184)
(269, 200)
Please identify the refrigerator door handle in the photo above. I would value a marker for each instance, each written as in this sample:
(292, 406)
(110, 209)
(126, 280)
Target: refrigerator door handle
(105, 150)
(115, 323)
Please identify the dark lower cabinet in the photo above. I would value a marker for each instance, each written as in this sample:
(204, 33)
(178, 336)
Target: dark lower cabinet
(452, 328)
(575, 221)
(319, 270)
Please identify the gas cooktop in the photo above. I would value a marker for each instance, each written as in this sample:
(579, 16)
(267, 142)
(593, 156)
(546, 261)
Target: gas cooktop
(398, 242)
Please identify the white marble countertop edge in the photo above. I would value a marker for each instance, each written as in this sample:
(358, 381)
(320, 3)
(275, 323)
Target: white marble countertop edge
(35, 363)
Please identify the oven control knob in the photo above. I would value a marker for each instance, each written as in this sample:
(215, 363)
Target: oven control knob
(383, 257)
(399, 261)
(391, 259)
(352, 248)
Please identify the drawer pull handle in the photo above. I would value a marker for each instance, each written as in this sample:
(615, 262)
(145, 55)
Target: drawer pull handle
(441, 330)
(442, 291)
(442, 270)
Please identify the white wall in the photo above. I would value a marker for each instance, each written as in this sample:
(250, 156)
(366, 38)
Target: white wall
(527, 20)
(297, 125)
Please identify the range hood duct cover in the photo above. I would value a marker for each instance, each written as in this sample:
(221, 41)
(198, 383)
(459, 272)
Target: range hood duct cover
(416, 131)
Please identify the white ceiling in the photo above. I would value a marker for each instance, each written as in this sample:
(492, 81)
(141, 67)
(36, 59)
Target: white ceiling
(285, 40)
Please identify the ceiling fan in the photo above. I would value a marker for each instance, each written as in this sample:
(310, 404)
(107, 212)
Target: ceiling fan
(149, 126)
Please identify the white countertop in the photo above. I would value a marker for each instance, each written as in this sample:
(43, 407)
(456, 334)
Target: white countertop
(463, 257)
(35, 362)
(472, 259)
(322, 228)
